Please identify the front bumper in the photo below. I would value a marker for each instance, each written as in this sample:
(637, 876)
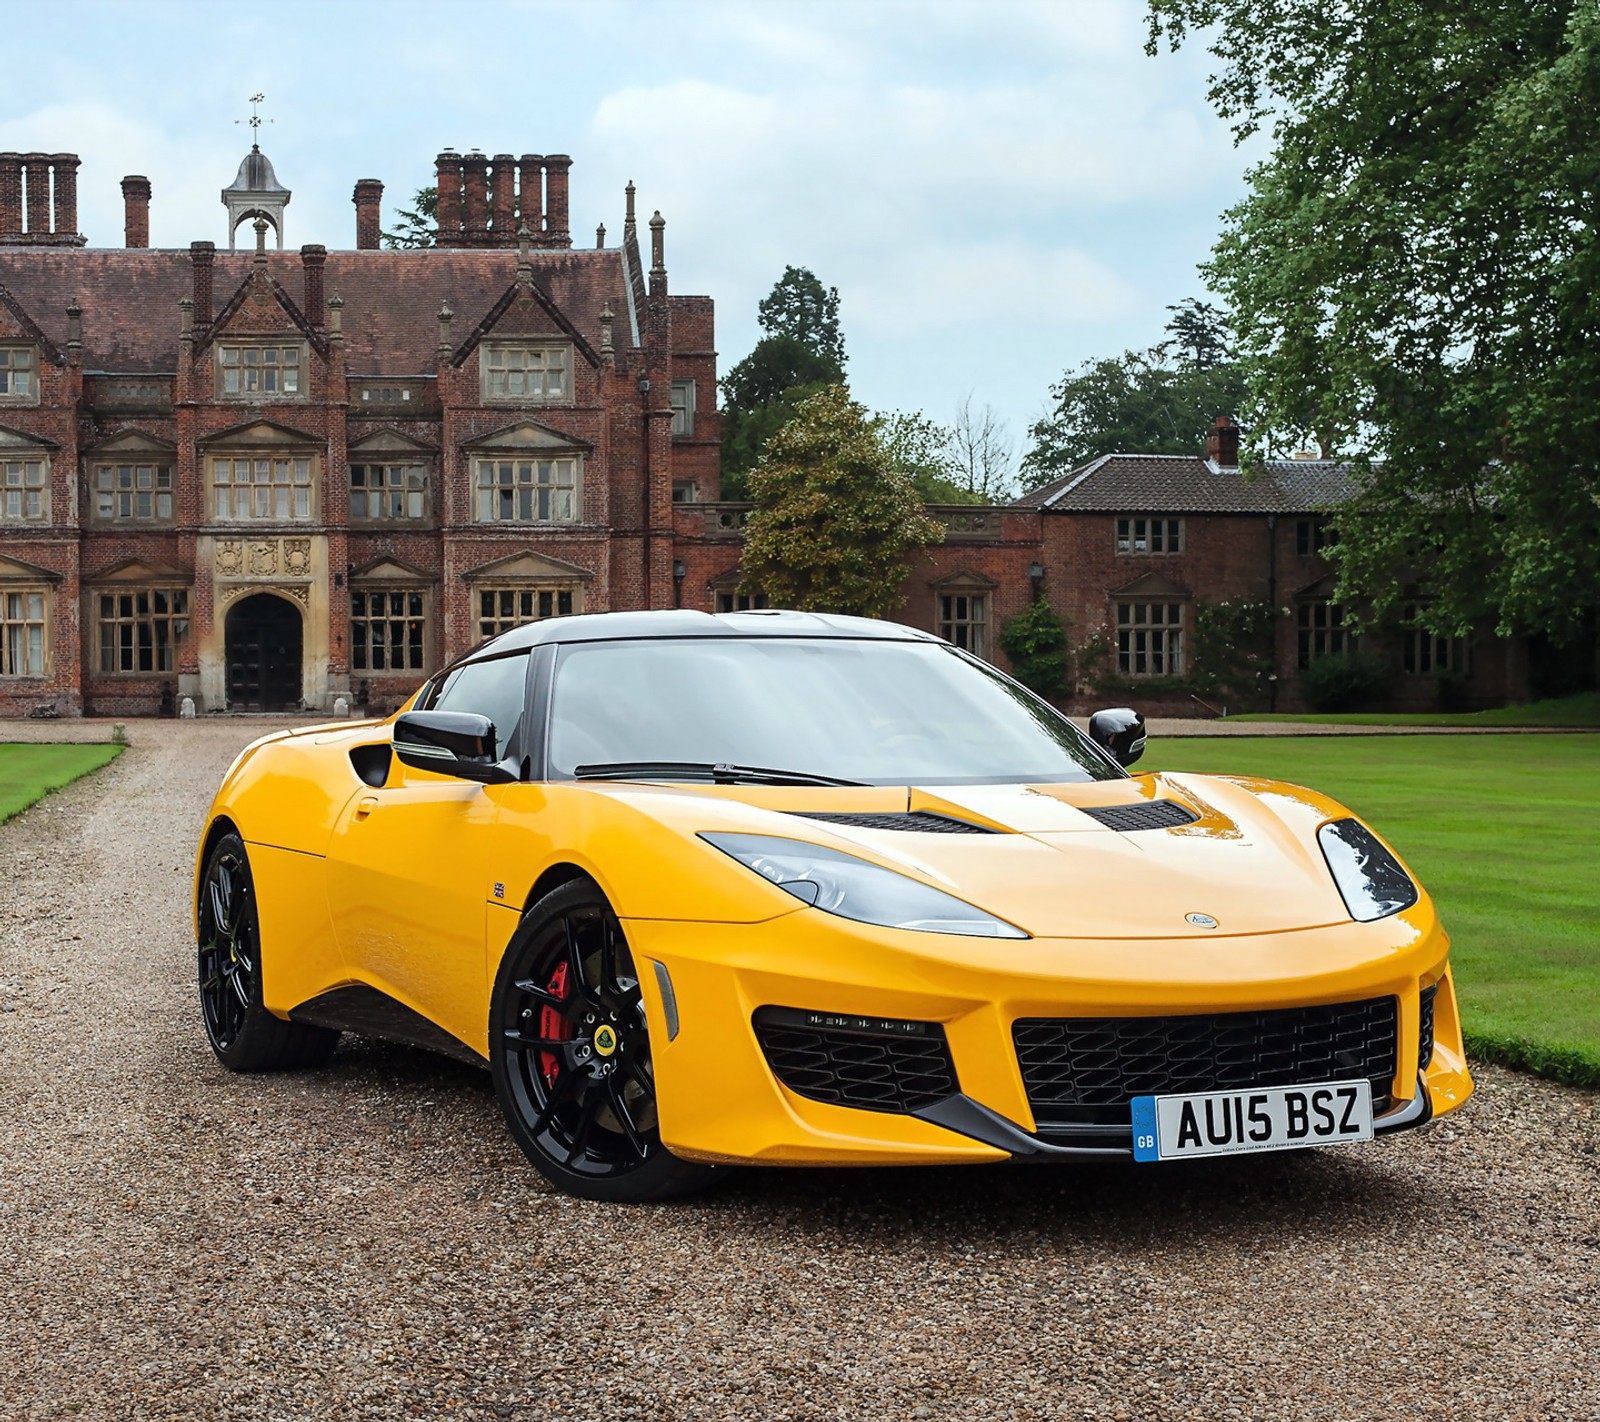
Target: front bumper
(720, 1101)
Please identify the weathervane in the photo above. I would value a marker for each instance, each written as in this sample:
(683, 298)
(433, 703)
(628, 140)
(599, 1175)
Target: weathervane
(255, 120)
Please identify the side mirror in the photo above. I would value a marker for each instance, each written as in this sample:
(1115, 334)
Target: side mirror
(455, 743)
(1119, 733)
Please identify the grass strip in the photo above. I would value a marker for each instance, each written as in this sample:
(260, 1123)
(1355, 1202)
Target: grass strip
(1565, 712)
(31, 770)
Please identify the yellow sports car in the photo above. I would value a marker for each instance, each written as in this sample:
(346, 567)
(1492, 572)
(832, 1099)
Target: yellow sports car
(779, 888)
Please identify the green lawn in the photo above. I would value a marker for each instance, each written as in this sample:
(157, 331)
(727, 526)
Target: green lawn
(1580, 710)
(1504, 831)
(30, 772)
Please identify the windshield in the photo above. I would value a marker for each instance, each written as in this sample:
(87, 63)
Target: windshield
(881, 713)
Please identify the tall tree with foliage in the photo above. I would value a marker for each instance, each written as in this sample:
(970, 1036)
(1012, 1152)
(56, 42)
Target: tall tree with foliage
(834, 524)
(1159, 401)
(802, 351)
(418, 225)
(1413, 280)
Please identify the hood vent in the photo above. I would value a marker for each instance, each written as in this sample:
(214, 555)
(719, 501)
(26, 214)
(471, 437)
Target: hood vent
(1151, 814)
(921, 821)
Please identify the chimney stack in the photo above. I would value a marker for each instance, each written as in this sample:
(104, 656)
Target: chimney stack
(475, 182)
(503, 198)
(1222, 443)
(10, 197)
(202, 254)
(65, 216)
(312, 257)
(368, 201)
(557, 233)
(38, 192)
(448, 168)
(39, 200)
(531, 198)
(136, 210)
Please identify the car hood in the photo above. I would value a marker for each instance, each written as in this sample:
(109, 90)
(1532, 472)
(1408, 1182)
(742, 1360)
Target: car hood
(1248, 859)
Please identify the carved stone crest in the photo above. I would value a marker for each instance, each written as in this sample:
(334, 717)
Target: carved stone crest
(230, 558)
(264, 556)
(297, 557)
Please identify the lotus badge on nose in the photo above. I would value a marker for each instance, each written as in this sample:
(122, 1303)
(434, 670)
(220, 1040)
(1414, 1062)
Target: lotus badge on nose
(1200, 920)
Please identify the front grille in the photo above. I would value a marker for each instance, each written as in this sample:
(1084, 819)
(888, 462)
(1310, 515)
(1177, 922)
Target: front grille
(1081, 1072)
(923, 821)
(1425, 1027)
(874, 1064)
(1152, 814)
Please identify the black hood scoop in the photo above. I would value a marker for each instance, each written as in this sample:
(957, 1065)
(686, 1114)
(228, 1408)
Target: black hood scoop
(1148, 815)
(919, 821)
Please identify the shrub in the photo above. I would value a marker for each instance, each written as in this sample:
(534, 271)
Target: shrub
(1036, 642)
(1344, 681)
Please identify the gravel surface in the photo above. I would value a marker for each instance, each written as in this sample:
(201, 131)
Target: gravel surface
(366, 1242)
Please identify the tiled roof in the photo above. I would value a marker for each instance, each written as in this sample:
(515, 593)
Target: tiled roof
(1175, 483)
(391, 298)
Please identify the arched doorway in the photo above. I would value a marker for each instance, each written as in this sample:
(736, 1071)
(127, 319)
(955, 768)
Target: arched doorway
(263, 637)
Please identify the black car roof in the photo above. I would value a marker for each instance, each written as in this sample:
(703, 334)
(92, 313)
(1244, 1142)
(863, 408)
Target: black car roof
(677, 622)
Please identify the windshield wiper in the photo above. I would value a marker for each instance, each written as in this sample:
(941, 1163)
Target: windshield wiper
(718, 773)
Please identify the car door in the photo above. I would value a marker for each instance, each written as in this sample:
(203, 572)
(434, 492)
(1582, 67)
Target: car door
(410, 867)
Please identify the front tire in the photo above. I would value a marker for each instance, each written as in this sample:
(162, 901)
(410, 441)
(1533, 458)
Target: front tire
(242, 1033)
(569, 1050)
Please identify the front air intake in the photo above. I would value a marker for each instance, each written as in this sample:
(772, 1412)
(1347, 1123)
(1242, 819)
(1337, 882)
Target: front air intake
(870, 1063)
(1147, 815)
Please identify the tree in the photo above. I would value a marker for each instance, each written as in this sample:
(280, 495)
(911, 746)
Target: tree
(1036, 643)
(1412, 277)
(418, 225)
(834, 521)
(980, 453)
(919, 449)
(802, 352)
(1135, 403)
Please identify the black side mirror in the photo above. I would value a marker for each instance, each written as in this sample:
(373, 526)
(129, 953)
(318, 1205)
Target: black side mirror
(456, 743)
(1119, 733)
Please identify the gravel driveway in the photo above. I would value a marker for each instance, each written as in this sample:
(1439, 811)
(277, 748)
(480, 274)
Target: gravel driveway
(366, 1242)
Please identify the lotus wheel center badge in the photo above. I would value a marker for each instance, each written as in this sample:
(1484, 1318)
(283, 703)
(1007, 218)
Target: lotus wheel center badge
(1200, 920)
(605, 1041)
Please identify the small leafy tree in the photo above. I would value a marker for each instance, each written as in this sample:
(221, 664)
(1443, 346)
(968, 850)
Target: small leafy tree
(418, 225)
(834, 522)
(920, 449)
(1036, 643)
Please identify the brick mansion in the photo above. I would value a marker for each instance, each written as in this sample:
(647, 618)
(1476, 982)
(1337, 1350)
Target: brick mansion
(265, 478)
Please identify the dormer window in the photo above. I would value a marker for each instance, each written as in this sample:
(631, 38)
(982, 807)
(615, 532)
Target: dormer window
(260, 371)
(19, 374)
(531, 373)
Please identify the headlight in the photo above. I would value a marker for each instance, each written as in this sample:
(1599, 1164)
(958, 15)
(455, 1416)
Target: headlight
(1370, 879)
(853, 888)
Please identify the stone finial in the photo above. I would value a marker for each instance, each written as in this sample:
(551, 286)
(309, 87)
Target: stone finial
(186, 319)
(74, 334)
(629, 224)
(445, 314)
(336, 318)
(524, 260)
(261, 224)
(607, 316)
(658, 243)
(600, 236)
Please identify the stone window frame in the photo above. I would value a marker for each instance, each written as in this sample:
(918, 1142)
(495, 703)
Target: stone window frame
(163, 628)
(243, 454)
(1159, 533)
(417, 641)
(509, 371)
(16, 485)
(299, 367)
(488, 486)
(964, 617)
(683, 409)
(685, 491)
(732, 600)
(1151, 636)
(1320, 631)
(517, 603)
(424, 471)
(116, 491)
(1425, 653)
(1312, 535)
(14, 373)
(16, 617)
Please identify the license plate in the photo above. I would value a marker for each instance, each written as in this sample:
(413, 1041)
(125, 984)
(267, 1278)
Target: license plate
(1268, 1118)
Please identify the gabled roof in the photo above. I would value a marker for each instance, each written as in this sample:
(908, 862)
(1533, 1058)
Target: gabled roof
(29, 325)
(391, 298)
(260, 283)
(1177, 483)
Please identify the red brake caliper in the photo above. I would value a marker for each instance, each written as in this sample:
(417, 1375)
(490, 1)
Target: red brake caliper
(553, 1025)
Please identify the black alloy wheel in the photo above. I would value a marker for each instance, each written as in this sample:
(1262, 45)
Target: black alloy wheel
(243, 1034)
(569, 1049)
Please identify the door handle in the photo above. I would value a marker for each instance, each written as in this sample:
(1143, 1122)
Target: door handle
(365, 806)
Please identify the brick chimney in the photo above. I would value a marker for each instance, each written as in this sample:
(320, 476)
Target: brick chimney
(10, 196)
(368, 200)
(475, 185)
(1222, 443)
(531, 197)
(37, 187)
(503, 198)
(39, 200)
(447, 166)
(312, 258)
(136, 210)
(65, 217)
(202, 254)
(557, 231)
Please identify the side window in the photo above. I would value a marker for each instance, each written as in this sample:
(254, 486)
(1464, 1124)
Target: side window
(497, 689)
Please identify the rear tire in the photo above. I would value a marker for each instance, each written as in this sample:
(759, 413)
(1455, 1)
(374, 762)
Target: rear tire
(242, 1033)
(570, 1054)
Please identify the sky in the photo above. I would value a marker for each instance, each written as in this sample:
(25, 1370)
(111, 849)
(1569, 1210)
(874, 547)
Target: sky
(999, 189)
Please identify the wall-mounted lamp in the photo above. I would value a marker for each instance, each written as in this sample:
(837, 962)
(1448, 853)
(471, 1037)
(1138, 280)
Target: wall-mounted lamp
(680, 570)
(1036, 578)
(644, 384)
